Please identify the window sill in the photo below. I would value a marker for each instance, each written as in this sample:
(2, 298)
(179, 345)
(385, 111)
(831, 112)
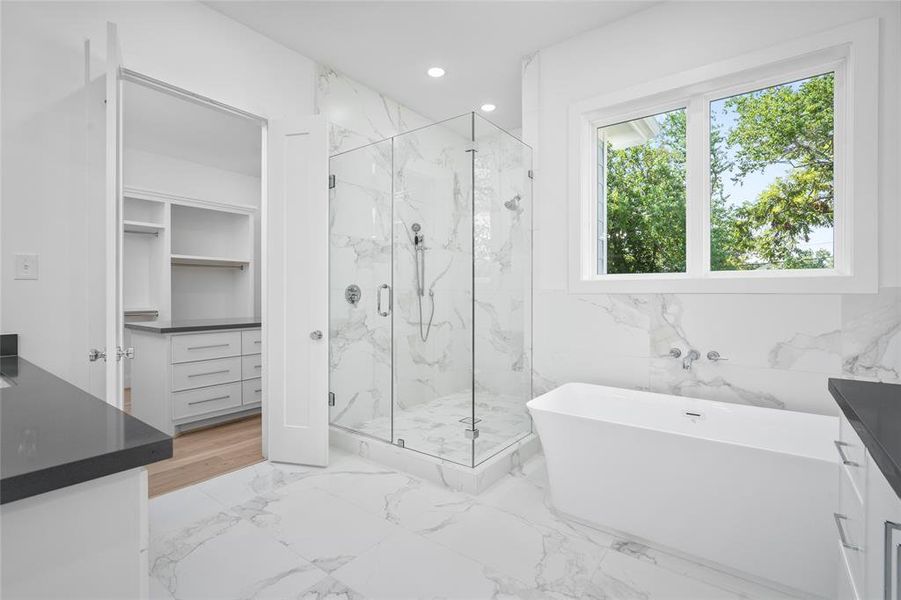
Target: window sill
(755, 282)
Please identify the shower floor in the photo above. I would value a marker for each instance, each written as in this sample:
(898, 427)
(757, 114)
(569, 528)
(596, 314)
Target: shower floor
(434, 427)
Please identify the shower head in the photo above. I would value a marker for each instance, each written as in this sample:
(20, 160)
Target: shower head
(513, 203)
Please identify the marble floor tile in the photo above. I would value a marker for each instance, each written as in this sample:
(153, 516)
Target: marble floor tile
(330, 589)
(210, 559)
(321, 527)
(358, 530)
(406, 567)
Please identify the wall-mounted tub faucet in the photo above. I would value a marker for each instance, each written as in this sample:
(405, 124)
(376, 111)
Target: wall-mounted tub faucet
(692, 356)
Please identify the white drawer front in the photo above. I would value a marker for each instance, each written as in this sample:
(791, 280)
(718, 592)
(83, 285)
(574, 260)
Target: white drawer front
(203, 346)
(853, 455)
(251, 366)
(190, 375)
(205, 400)
(252, 341)
(253, 391)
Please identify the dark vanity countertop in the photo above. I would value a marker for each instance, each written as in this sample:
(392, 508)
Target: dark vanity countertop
(874, 410)
(190, 325)
(53, 434)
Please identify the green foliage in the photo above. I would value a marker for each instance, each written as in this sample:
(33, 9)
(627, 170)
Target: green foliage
(789, 125)
(646, 203)
(785, 125)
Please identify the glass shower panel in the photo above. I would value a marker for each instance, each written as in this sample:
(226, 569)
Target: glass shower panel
(502, 262)
(433, 362)
(359, 280)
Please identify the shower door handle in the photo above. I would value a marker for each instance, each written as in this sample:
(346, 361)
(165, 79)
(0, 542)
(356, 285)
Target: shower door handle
(384, 313)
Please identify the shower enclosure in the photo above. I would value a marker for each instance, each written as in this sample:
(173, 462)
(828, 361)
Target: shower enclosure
(430, 290)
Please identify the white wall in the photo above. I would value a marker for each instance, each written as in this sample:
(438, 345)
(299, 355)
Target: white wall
(51, 161)
(781, 347)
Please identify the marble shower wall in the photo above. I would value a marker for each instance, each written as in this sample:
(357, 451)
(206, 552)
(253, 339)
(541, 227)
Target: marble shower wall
(780, 349)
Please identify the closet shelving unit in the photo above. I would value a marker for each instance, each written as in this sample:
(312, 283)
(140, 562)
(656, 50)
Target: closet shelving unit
(187, 258)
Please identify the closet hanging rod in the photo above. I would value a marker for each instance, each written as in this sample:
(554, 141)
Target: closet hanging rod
(207, 266)
(142, 313)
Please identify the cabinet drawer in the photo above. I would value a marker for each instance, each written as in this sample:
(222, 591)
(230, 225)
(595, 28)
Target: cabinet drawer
(253, 391)
(205, 400)
(853, 456)
(252, 341)
(202, 346)
(251, 366)
(206, 372)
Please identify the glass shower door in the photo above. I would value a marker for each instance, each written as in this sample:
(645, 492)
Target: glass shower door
(360, 348)
(433, 363)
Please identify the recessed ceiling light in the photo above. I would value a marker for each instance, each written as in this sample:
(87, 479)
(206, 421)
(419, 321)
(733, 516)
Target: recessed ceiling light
(488, 107)
(436, 72)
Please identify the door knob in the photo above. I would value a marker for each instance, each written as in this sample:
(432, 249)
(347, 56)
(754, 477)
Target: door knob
(316, 335)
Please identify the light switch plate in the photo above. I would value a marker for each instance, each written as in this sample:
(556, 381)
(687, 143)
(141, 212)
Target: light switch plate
(26, 266)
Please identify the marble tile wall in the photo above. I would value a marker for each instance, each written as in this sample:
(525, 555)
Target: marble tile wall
(780, 349)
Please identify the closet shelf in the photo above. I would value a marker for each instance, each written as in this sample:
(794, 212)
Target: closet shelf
(208, 261)
(141, 227)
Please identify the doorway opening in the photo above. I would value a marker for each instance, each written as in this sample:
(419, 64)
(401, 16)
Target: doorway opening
(190, 257)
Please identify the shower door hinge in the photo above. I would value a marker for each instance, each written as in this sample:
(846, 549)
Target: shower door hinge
(331, 398)
(331, 182)
(531, 174)
(471, 434)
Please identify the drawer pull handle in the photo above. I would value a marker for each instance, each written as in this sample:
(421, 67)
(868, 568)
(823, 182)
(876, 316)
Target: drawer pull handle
(208, 373)
(845, 461)
(258, 366)
(841, 532)
(207, 347)
(257, 391)
(209, 400)
(258, 342)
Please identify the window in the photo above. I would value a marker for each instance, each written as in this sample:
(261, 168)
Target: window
(756, 174)
(641, 195)
(771, 177)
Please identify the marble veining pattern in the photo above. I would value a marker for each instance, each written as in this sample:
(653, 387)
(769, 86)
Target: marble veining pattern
(357, 530)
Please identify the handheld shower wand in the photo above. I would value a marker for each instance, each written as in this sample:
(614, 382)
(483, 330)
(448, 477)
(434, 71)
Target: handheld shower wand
(419, 253)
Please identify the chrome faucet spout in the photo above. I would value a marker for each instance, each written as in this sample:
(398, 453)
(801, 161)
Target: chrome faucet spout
(690, 357)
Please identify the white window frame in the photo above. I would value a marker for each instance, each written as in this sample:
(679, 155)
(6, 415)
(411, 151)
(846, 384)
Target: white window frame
(851, 52)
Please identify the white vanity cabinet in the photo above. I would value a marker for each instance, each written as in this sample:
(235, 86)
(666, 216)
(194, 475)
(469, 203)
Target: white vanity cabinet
(185, 379)
(867, 522)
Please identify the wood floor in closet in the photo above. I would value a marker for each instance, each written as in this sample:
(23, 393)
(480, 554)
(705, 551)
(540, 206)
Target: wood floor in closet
(206, 453)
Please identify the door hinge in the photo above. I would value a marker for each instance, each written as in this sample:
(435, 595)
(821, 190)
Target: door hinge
(124, 353)
(331, 398)
(471, 434)
(531, 174)
(94, 355)
(331, 182)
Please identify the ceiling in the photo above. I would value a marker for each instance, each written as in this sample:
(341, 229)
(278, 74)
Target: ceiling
(161, 123)
(390, 45)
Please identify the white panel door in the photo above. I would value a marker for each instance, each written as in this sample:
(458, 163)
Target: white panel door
(114, 312)
(295, 292)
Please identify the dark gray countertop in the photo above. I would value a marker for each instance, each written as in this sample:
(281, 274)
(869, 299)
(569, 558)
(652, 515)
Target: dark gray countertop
(53, 434)
(188, 325)
(874, 411)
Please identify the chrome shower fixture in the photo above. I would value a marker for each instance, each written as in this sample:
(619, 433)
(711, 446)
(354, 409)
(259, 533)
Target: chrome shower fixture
(419, 257)
(513, 203)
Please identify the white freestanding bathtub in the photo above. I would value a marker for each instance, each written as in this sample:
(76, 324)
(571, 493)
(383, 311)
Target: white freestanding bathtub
(752, 489)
